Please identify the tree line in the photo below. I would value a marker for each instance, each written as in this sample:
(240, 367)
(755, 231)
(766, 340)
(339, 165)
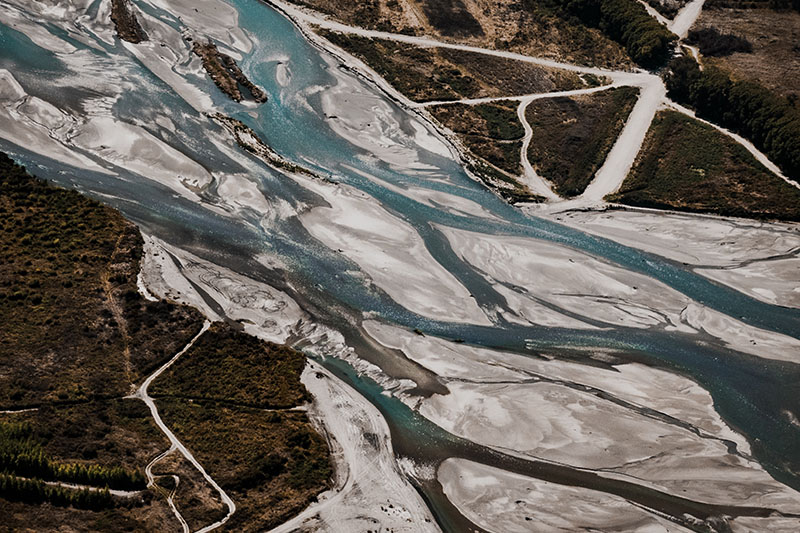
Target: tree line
(768, 120)
(785, 4)
(22, 456)
(647, 41)
(33, 491)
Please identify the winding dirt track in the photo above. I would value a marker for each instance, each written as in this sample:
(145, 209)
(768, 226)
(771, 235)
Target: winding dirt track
(520, 98)
(534, 181)
(177, 445)
(623, 154)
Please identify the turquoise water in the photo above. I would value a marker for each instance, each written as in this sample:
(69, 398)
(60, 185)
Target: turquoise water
(749, 392)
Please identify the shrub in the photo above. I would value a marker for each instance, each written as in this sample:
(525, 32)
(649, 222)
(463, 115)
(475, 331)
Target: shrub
(648, 42)
(769, 121)
(713, 43)
(21, 455)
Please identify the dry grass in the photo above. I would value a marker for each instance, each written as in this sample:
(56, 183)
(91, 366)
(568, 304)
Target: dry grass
(219, 399)
(74, 324)
(428, 74)
(230, 366)
(509, 25)
(273, 464)
(775, 37)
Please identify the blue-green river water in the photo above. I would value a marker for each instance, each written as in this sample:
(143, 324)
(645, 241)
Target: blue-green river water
(751, 393)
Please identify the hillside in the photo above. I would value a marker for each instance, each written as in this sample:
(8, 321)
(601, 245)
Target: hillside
(78, 338)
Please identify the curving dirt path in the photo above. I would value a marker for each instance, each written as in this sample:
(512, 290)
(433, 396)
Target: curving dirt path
(519, 98)
(148, 472)
(141, 394)
(300, 15)
(655, 14)
(534, 181)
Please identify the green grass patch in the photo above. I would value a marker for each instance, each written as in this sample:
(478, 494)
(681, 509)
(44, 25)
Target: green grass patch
(769, 121)
(689, 166)
(573, 135)
(492, 132)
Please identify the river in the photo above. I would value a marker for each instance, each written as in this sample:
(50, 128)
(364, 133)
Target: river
(394, 204)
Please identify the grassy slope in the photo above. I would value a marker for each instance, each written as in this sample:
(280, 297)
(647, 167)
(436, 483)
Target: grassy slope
(154, 516)
(688, 166)
(226, 365)
(572, 136)
(69, 304)
(76, 331)
(426, 74)
(272, 462)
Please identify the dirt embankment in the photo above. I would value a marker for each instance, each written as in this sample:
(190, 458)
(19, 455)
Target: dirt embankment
(128, 28)
(226, 73)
